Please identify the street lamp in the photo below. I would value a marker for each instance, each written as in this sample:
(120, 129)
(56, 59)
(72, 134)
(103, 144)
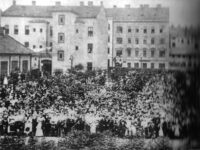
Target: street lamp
(71, 59)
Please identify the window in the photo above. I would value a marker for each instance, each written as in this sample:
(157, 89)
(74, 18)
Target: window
(173, 44)
(161, 30)
(188, 42)
(89, 66)
(61, 19)
(162, 41)
(26, 30)
(136, 41)
(189, 64)
(152, 65)
(77, 31)
(6, 29)
(144, 65)
(40, 46)
(162, 53)
(129, 40)
(145, 31)
(119, 53)
(61, 37)
(161, 66)
(41, 30)
(14, 65)
(129, 65)
(4, 67)
(34, 29)
(90, 48)
(60, 55)
(152, 52)
(144, 52)
(34, 46)
(196, 46)
(136, 52)
(51, 31)
(119, 29)
(119, 40)
(16, 30)
(25, 66)
(152, 41)
(108, 63)
(90, 31)
(144, 41)
(108, 26)
(26, 44)
(108, 38)
(137, 30)
(136, 65)
(51, 44)
(108, 50)
(152, 30)
(129, 29)
(76, 48)
(128, 52)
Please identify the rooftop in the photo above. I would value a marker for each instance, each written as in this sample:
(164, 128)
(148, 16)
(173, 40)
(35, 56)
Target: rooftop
(46, 11)
(139, 14)
(143, 13)
(9, 45)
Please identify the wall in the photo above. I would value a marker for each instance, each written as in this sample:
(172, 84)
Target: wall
(34, 38)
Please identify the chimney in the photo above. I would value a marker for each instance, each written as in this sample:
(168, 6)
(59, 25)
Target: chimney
(14, 2)
(90, 3)
(128, 6)
(33, 3)
(58, 3)
(81, 3)
(114, 6)
(101, 3)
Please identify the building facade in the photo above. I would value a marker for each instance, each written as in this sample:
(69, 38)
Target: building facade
(80, 37)
(184, 48)
(140, 36)
(93, 36)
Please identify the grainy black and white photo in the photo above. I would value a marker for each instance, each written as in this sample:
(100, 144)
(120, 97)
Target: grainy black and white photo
(99, 75)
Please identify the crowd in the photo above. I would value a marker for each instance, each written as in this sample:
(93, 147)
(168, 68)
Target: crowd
(54, 106)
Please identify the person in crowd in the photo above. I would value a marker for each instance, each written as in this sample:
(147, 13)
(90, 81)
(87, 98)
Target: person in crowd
(87, 105)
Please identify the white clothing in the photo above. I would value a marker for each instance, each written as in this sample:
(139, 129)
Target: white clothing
(5, 81)
(39, 131)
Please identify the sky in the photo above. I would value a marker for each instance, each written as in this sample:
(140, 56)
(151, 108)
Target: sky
(182, 12)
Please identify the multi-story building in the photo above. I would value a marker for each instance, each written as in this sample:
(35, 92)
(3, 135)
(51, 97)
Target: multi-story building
(140, 36)
(77, 34)
(92, 35)
(80, 37)
(184, 48)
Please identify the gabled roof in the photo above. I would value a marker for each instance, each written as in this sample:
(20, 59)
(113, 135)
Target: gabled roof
(138, 14)
(9, 45)
(46, 11)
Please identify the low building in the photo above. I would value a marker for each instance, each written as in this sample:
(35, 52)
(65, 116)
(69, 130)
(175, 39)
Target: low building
(14, 55)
